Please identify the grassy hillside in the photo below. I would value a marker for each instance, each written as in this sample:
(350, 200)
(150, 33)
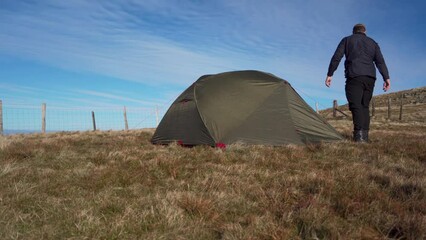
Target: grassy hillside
(413, 110)
(116, 185)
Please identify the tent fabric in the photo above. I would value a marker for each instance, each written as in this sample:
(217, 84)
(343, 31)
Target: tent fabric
(182, 123)
(249, 107)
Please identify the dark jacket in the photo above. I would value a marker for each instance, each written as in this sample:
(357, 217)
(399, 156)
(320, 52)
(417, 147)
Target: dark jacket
(361, 53)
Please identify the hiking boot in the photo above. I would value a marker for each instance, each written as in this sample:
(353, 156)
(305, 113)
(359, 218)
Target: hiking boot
(361, 136)
(365, 135)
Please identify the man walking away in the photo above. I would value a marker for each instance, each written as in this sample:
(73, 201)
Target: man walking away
(361, 53)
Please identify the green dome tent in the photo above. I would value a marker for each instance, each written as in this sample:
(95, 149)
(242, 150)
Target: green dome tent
(249, 107)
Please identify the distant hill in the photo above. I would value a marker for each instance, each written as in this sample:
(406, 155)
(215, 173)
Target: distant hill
(413, 109)
(10, 132)
(411, 96)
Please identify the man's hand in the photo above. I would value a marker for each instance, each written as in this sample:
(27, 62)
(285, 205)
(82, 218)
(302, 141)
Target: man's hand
(386, 85)
(328, 81)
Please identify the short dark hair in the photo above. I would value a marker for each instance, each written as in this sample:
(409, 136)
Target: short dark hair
(359, 28)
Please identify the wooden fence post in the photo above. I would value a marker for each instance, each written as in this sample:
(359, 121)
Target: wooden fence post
(43, 118)
(94, 122)
(126, 124)
(1, 117)
(334, 108)
(400, 110)
(389, 108)
(373, 107)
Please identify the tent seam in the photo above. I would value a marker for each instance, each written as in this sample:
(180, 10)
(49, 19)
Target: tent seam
(199, 114)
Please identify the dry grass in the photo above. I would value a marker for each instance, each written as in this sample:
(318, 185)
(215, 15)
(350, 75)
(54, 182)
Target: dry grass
(116, 185)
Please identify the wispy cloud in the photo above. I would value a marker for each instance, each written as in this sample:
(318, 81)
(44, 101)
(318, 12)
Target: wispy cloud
(158, 42)
(161, 42)
(17, 89)
(115, 97)
(102, 44)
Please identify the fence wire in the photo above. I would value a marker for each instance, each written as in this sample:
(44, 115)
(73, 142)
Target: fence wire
(17, 118)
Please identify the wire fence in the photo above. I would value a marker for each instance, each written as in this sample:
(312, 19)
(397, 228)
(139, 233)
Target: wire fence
(19, 118)
(397, 108)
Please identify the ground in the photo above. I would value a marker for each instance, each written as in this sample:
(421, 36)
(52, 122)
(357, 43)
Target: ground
(107, 185)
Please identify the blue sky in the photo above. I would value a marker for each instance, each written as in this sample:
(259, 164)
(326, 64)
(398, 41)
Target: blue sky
(144, 53)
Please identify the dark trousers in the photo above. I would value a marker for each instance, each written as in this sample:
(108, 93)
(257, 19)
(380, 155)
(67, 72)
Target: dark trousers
(359, 91)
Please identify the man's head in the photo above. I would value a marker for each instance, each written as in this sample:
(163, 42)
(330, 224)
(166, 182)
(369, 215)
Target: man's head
(359, 28)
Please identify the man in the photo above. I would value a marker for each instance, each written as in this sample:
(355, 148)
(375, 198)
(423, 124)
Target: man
(361, 53)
